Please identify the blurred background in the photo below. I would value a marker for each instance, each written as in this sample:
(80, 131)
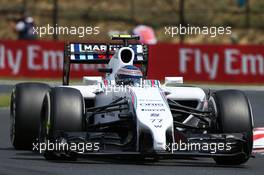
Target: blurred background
(246, 17)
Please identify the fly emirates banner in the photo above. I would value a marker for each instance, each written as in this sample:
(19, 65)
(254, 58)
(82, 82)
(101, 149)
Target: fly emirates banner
(196, 63)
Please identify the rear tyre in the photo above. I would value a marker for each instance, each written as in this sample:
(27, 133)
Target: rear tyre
(25, 110)
(234, 115)
(63, 111)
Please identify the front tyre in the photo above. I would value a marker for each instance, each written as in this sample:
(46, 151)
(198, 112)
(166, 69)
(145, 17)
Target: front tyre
(234, 115)
(63, 111)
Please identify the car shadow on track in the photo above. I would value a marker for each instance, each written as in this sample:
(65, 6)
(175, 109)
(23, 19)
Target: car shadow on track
(176, 162)
(189, 162)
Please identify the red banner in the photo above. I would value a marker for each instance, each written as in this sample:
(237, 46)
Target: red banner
(209, 63)
(200, 63)
(37, 59)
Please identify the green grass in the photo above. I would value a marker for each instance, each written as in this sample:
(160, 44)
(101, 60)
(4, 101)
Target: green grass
(4, 100)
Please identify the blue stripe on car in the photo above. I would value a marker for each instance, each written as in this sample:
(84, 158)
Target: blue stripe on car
(77, 49)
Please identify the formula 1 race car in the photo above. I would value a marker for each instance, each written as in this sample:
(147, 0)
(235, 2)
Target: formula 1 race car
(124, 114)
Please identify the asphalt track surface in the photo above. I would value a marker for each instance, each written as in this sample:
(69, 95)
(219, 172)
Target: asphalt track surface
(26, 162)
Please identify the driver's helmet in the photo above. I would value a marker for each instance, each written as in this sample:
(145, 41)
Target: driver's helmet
(128, 75)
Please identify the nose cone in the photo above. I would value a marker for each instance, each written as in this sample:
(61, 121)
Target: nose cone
(159, 140)
(153, 114)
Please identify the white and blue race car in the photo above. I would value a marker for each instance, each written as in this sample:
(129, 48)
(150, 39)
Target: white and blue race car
(124, 114)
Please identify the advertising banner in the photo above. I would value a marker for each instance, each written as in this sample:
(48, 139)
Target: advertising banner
(196, 63)
(209, 63)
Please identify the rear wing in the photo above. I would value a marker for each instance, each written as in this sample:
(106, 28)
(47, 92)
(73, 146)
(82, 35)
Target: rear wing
(99, 53)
